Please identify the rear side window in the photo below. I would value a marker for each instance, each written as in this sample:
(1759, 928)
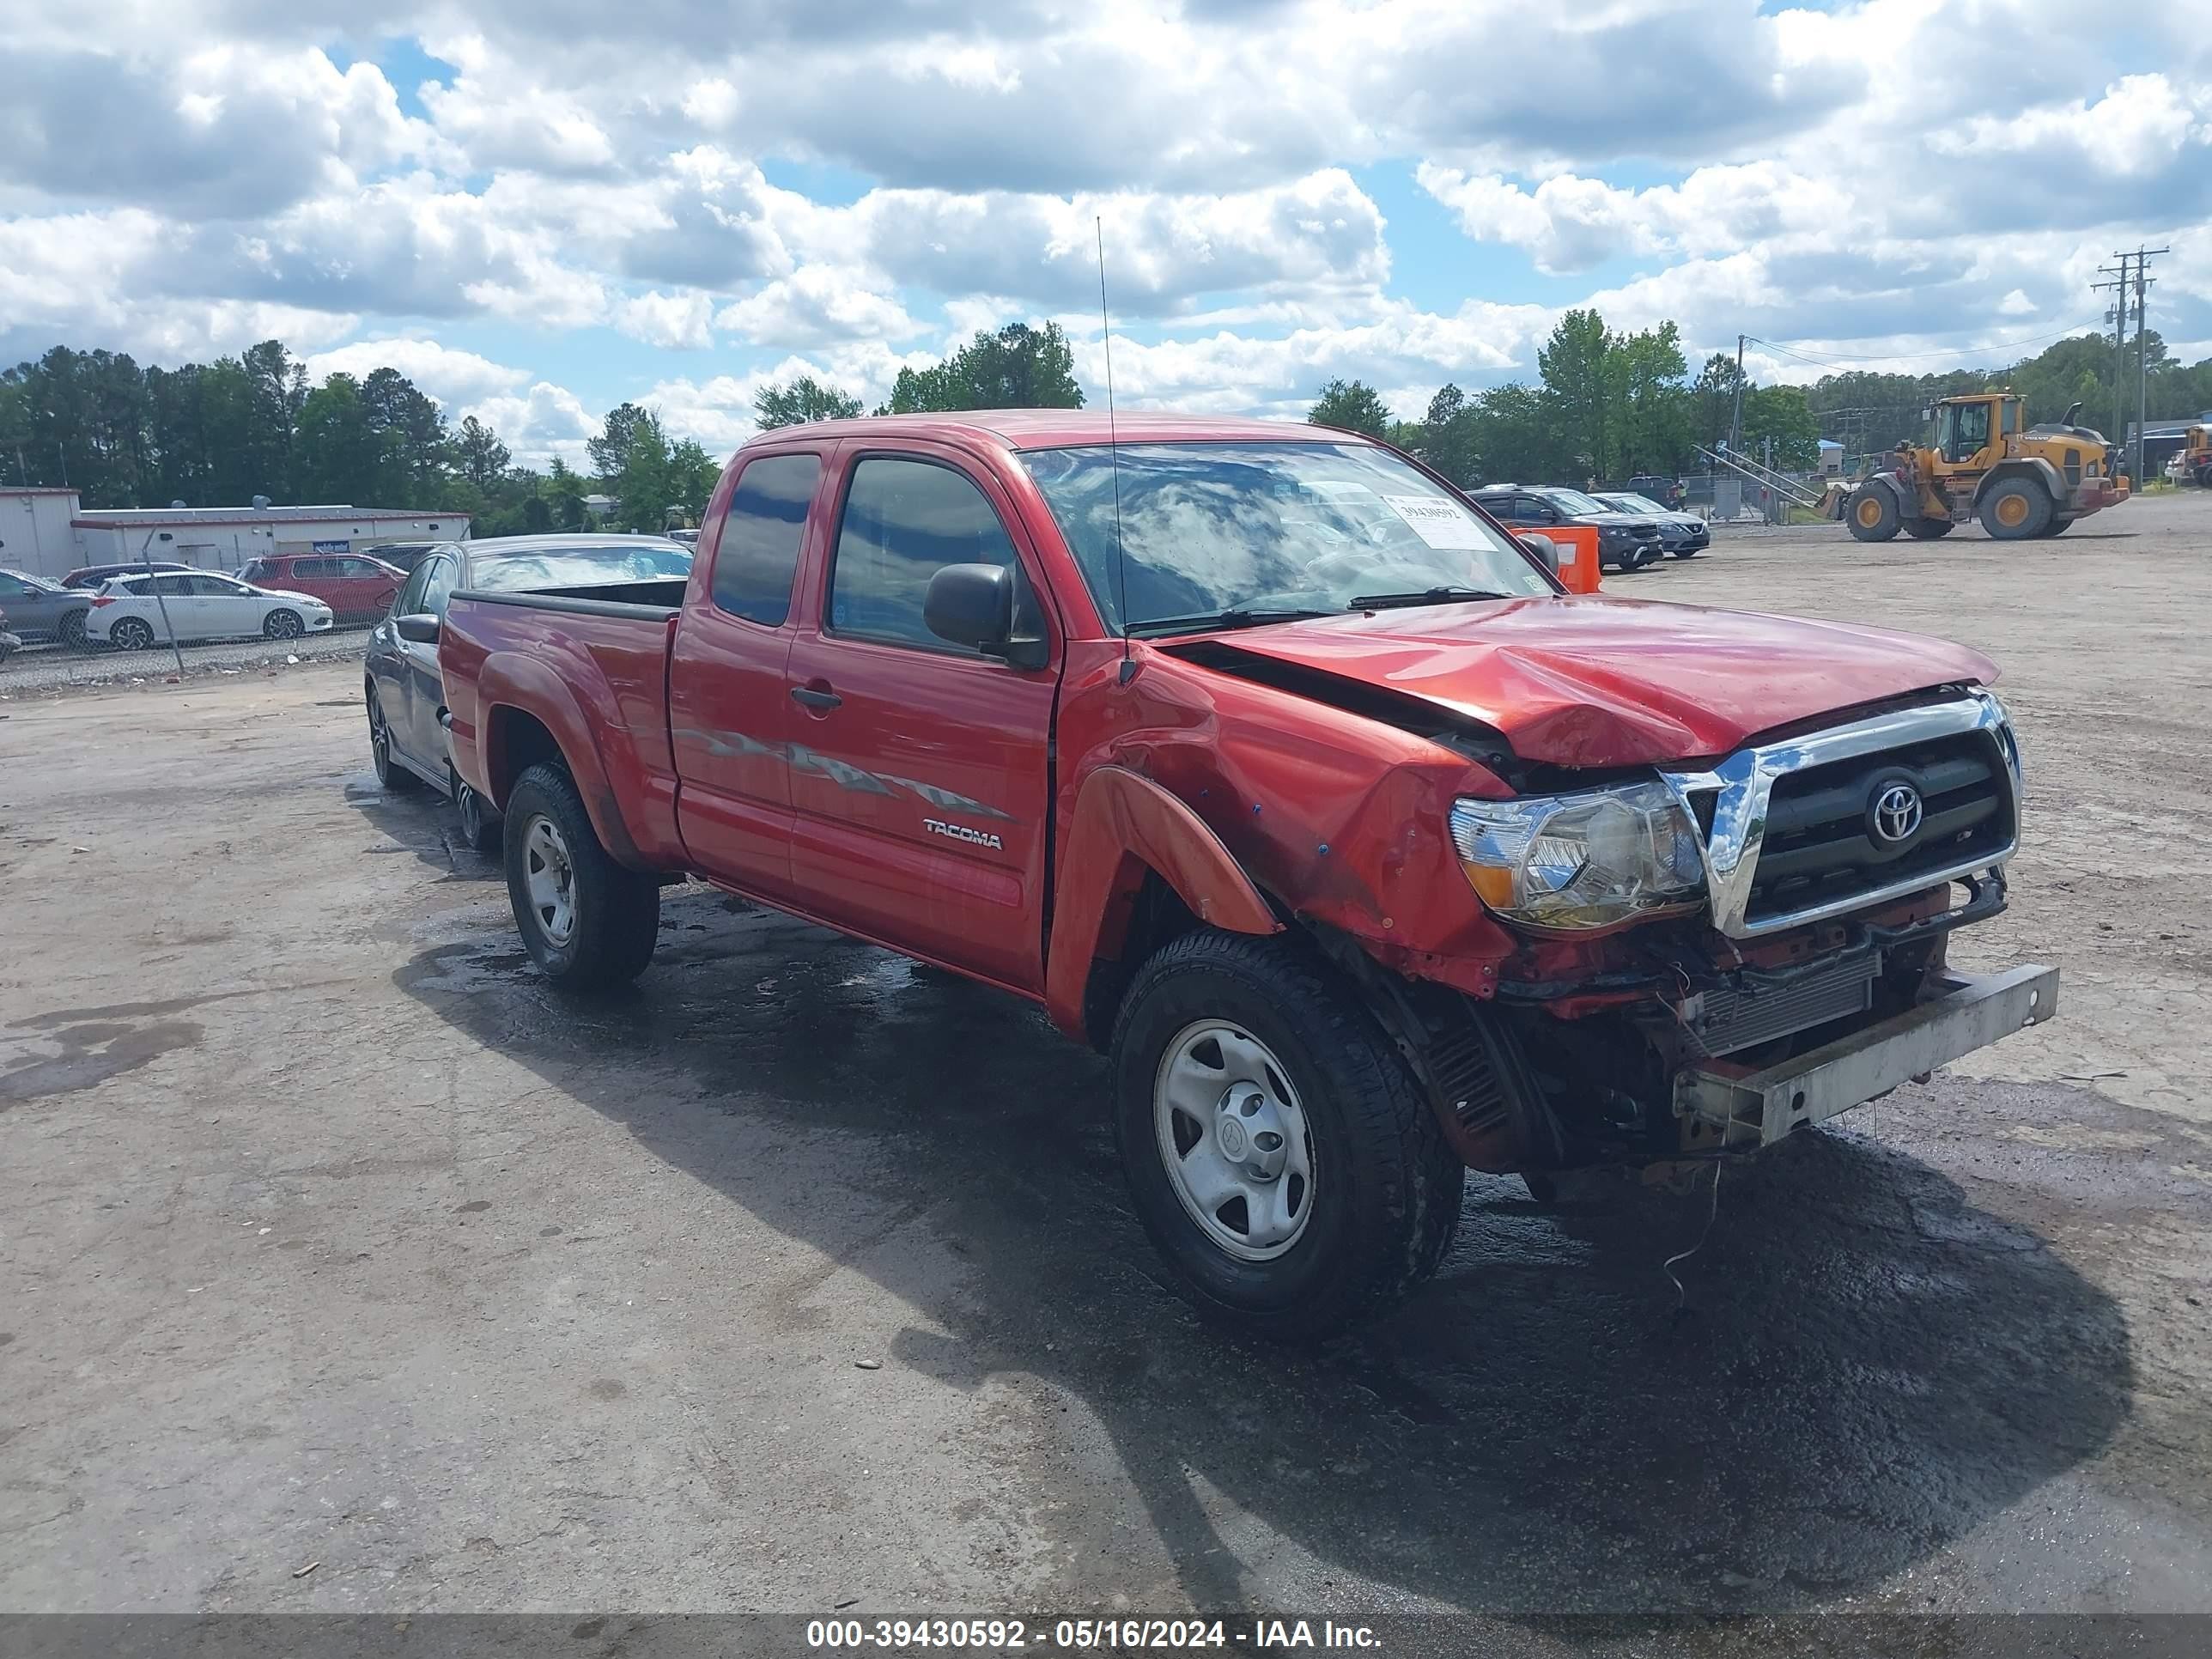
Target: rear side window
(440, 587)
(905, 521)
(759, 555)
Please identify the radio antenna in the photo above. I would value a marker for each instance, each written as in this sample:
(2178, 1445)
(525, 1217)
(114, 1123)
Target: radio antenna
(1114, 451)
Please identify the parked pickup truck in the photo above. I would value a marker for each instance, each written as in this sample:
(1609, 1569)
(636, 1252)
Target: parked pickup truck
(1275, 770)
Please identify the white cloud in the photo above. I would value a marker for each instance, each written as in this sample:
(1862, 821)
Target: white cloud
(447, 373)
(818, 305)
(538, 425)
(677, 322)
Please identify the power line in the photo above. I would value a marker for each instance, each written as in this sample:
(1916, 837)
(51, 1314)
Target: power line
(1838, 360)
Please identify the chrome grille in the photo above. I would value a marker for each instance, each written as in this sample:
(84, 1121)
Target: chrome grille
(1821, 846)
(1792, 794)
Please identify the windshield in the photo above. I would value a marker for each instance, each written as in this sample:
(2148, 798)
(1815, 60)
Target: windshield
(1575, 501)
(1635, 503)
(43, 584)
(1264, 527)
(587, 564)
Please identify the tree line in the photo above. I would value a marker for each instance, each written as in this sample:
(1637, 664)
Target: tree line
(1605, 404)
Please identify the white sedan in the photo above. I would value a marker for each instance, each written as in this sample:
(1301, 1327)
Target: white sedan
(129, 612)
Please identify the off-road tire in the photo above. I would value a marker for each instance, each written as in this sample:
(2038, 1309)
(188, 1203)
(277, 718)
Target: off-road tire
(1928, 530)
(1872, 513)
(618, 910)
(2204, 477)
(2035, 509)
(1387, 1188)
(2058, 526)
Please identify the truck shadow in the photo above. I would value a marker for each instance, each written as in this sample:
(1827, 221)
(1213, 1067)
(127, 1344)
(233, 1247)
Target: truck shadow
(1870, 1365)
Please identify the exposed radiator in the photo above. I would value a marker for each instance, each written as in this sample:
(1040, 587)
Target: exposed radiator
(1745, 1014)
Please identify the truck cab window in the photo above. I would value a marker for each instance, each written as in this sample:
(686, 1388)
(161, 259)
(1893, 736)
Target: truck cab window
(758, 556)
(904, 522)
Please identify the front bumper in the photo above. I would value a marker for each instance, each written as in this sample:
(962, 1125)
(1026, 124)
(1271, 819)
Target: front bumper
(2094, 494)
(1759, 1106)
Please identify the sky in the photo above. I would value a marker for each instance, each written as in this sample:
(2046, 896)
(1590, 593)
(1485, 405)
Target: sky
(538, 208)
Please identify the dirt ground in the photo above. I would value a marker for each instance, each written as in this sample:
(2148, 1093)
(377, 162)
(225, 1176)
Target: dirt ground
(800, 1280)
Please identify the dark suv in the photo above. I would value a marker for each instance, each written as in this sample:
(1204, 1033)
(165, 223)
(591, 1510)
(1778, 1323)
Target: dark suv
(1624, 542)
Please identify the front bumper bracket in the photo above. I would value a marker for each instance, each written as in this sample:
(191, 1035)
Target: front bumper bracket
(1965, 1013)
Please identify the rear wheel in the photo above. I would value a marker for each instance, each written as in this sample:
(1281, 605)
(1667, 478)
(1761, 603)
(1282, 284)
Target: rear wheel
(391, 777)
(1872, 513)
(1279, 1152)
(131, 634)
(481, 827)
(71, 632)
(2015, 510)
(588, 922)
(2204, 477)
(2058, 526)
(1928, 530)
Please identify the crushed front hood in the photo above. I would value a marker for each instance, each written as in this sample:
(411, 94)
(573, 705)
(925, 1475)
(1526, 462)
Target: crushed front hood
(1594, 680)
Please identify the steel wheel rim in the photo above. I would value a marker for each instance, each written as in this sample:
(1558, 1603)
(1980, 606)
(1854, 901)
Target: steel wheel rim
(471, 812)
(1234, 1141)
(2011, 511)
(550, 878)
(1869, 514)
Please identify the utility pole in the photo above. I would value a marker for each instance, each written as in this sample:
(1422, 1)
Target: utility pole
(2143, 257)
(2133, 270)
(1735, 416)
(2118, 315)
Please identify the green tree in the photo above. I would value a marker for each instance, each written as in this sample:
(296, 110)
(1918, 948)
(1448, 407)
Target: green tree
(482, 459)
(1449, 441)
(1513, 441)
(1350, 406)
(692, 476)
(804, 400)
(610, 451)
(1652, 423)
(1781, 413)
(1018, 368)
(1580, 394)
(342, 456)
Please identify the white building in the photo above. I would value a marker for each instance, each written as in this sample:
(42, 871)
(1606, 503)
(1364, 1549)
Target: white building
(47, 533)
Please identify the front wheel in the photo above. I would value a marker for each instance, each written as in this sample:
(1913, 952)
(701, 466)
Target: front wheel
(1278, 1152)
(283, 625)
(588, 922)
(1872, 513)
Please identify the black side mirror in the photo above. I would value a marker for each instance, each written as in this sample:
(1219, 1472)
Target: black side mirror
(1546, 549)
(422, 629)
(974, 604)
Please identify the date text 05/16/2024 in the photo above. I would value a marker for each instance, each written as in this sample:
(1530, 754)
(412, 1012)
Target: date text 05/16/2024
(1010, 1635)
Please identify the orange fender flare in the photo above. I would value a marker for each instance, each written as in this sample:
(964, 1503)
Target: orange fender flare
(1123, 825)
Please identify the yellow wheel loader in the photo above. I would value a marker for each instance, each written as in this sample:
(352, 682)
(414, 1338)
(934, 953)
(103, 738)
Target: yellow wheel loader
(1986, 464)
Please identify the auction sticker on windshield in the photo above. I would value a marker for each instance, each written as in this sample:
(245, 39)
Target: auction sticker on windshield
(1438, 522)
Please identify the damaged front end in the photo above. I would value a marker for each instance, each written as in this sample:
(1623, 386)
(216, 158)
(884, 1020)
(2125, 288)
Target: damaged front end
(1710, 959)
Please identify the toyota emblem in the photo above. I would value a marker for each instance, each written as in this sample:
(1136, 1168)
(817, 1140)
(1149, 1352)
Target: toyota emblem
(1896, 813)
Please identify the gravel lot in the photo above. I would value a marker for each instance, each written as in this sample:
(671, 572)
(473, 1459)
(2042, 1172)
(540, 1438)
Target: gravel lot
(328, 1236)
(43, 669)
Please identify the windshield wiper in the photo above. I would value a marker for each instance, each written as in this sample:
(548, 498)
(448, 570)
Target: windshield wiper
(1426, 596)
(1236, 616)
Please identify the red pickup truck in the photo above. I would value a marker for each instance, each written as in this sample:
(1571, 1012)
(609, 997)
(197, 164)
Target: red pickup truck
(1273, 767)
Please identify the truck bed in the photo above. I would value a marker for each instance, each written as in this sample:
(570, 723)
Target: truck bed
(592, 664)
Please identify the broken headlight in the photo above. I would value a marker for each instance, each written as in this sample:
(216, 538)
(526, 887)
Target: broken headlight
(1592, 859)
